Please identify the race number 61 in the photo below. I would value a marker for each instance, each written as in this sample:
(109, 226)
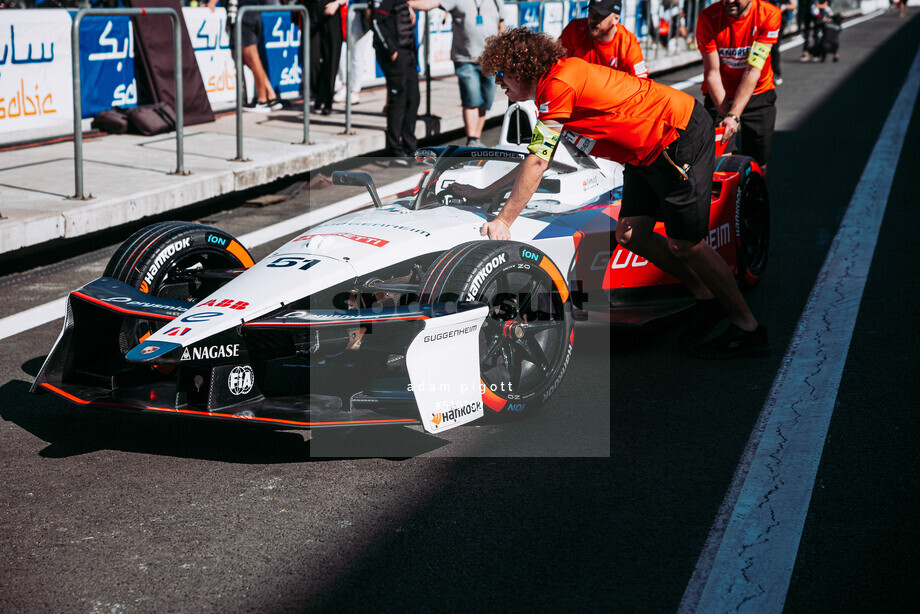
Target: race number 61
(293, 261)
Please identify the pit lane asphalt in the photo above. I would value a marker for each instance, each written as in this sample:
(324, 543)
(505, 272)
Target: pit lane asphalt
(103, 512)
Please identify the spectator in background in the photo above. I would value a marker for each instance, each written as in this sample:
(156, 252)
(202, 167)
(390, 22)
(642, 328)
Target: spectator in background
(806, 19)
(784, 7)
(361, 38)
(600, 38)
(831, 39)
(330, 51)
(472, 21)
(265, 99)
(735, 38)
(392, 22)
(820, 14)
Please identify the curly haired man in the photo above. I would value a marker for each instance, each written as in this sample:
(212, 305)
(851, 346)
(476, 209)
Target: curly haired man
(663, 136)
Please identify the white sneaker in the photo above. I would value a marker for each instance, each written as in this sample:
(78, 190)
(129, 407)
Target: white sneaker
(340, 97)
(257, 107)
(777, 80)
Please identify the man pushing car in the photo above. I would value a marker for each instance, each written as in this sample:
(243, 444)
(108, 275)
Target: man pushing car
(665, 139)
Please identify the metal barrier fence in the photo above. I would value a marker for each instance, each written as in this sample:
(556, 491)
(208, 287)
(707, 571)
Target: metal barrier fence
(78, 103)
(304, 65)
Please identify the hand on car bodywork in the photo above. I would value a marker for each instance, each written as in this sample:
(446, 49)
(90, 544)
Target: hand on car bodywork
(496, 230)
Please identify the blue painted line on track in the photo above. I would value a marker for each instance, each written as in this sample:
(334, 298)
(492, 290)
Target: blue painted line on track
(748, 560)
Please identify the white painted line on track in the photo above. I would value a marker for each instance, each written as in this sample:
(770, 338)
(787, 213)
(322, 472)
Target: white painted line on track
(49, 312)
(747, 562)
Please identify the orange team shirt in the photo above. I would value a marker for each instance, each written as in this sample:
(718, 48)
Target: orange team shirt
(610, 114)
(622, 53)
(733, 39)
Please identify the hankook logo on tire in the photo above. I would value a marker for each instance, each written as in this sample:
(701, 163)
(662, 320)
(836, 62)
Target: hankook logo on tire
(240, 380)
(481, 275)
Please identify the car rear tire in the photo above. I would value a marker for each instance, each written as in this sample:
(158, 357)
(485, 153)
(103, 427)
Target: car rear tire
(525, 343)
(752, 219)
(153, 258)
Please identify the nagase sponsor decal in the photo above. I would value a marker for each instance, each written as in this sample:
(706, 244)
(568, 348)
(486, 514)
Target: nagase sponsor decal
(227, 302)
(165, 255)
(124, 300)
(450, 333)
(240, 380)
(347, 235)
(231, 350)
(456, 413)
(484, 272)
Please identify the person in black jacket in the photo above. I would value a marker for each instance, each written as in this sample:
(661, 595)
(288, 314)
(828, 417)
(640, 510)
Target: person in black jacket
(394, 42)
(329, 32)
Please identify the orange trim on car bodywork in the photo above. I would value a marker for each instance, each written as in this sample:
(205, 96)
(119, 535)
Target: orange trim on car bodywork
(334, 322)
(66, 395)
(195, 412)
(121, 309)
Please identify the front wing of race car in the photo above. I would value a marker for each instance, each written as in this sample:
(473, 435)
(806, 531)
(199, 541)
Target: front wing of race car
(294, 369)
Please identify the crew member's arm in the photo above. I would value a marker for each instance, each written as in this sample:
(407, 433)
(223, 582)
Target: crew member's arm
(542, 147)
(380, 10)
(474, 193)
(634, 60)
(333, 6)
(732, 109)
(424, 5)
(713, 77)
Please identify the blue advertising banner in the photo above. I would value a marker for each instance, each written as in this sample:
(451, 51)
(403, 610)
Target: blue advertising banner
(281, 38)
(578, 9)
(107, 64)
(530, 15)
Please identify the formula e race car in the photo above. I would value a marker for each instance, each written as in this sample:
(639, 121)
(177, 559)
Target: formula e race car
(398, 313)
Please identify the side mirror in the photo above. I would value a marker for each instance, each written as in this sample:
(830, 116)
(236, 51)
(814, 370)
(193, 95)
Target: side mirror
(357, 179)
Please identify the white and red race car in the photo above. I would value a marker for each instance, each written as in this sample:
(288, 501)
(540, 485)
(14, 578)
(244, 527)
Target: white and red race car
(398, 313)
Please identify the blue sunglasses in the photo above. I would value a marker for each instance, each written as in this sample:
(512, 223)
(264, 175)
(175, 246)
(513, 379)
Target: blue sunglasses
(500, 74)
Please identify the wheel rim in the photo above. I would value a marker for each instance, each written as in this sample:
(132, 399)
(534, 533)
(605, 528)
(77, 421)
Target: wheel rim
(754, 227)
(523, 337)
(175, 283)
